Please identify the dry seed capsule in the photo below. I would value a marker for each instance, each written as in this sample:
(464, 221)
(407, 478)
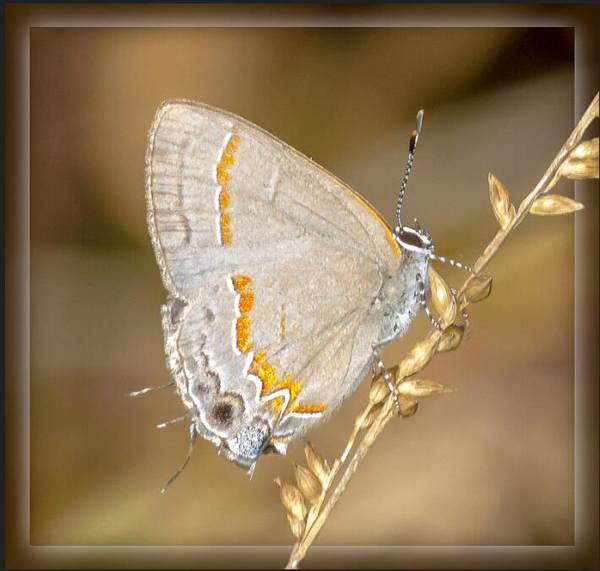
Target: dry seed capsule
(423, 388)
(408, 405)
(378, 391)
(293, 501)
(442, 298)
(554, 205)
(500, 200)
(583, 161)
(317, 464)
(451, 338)
(478, 289)
(418, 357)
(369, 418)
(307, 483)
(297, 526)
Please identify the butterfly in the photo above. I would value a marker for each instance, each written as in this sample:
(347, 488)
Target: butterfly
(282, 282)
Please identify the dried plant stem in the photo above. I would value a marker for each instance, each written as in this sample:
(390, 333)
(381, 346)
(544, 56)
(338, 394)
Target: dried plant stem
(546, 183)
(330, 497)
(301, 547)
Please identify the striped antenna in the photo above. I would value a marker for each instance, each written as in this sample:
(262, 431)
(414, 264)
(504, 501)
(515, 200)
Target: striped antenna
(452, 263)
(414, 139)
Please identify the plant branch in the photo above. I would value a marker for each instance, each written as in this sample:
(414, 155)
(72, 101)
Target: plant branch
(386, 411)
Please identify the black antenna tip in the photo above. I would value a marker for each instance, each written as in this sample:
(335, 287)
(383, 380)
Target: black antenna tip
(414, 136)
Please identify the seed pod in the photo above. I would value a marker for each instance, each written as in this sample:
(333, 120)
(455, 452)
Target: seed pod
(317, 464)
(307, 483)
(442, 298)
(292, 500)
(500, 199)
(553, 205)
(408, 405)
(418, 357)
(297, 526)
(479, 288)
(583, 161)
(451, 338)
(378, 391)
(365, 422)
(422, 388)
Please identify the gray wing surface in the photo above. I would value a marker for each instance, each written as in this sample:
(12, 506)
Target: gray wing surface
(275, 259)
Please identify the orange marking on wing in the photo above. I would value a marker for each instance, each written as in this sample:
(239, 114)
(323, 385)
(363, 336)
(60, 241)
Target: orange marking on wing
(241, 284)
(224, 178)
(246, 302)
(292, 385)
(243, 325)
(234, 143)
(260, 366)
(242, 333)
(224, 200)
(226, 236)
(277, 403)
(268, 376)
(308, 408)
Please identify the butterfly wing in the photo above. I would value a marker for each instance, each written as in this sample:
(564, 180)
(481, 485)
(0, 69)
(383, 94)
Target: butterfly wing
(272, 266)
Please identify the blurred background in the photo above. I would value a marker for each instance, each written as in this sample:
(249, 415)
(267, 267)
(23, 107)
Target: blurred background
(489, 464)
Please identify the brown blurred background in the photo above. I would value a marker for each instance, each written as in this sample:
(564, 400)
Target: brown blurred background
(489, 464)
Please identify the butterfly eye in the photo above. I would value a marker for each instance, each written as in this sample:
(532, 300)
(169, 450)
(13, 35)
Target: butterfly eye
(411, 239)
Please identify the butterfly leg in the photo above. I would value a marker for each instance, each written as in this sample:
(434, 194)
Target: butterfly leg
(379, 369)
(423, 302)
(466, 321)
(181, 468)
(463, 313)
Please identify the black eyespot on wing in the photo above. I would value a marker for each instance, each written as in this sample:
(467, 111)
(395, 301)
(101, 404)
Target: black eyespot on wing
(226, 409)
(223, 412)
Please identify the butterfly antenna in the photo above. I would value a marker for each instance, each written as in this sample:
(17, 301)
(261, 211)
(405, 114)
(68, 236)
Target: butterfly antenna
(181, 468)
(452, 263)
(150, 389)
(414, 139)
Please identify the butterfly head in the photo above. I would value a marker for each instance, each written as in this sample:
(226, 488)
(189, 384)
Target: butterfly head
(414, 239)
(400, 296)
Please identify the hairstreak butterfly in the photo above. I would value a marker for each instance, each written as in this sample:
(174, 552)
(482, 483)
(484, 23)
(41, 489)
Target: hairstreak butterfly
(282, 282)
